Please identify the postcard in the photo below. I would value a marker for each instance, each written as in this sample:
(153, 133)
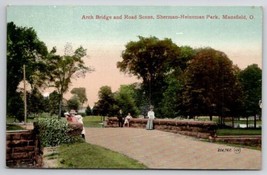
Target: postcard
(134, 87)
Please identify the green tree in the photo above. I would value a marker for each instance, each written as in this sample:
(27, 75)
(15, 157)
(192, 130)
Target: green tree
(53, 100)
(106, 105)
(126, 100)
(251, 83)
(95, 109)
(64, 68)
(88, 111)
(73, 103)
(149, 59)
(23, 48)
(81, 94)
(171, 105)
(211, 86)
(35, 102)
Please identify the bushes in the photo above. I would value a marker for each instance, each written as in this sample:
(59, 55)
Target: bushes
(53, 132)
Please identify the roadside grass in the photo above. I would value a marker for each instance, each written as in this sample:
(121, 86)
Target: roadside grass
(93, 121)
(233, 131)
(233, 145)
(85, 155)
(11, 127)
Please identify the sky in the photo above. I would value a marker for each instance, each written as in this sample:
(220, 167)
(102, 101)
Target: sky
(240, 39)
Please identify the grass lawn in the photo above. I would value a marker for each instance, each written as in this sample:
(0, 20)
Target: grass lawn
(10, 127)
(93, 121)
(85, 155)
(223, 132)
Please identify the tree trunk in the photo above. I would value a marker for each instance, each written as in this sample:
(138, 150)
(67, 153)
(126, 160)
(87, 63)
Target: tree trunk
(247, 121)
(233, 122)
(60, 107)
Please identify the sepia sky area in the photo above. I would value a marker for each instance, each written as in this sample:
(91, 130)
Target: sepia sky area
(240, 39)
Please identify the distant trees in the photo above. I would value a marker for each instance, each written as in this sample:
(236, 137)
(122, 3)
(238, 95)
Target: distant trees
(106, 104)
(73, 103)
(110, 103)
(125, 98)
(80, 92)
(88, 111)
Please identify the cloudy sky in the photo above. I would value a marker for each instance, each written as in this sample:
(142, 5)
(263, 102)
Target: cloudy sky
(240, 39)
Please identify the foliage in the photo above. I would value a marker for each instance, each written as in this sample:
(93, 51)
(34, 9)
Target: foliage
(53, 132)
(53, 101)
(73, 103)
(211, 86)
(15, 106)
(36, 102)
(64, 68)
(93, 156)
(23, 48)
(88, 111)
(149, 59)
(106, 105)
(10, 127)
(126, 99)
(171, 104)
(80, 92)
(223, 132)
(251, 83)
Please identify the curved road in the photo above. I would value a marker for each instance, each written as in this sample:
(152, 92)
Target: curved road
(163, 150)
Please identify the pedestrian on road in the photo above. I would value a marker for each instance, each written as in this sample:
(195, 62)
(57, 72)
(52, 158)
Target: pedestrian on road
(127, 120)
(151, 117)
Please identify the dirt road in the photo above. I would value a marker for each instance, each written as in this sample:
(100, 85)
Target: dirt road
(163, 150)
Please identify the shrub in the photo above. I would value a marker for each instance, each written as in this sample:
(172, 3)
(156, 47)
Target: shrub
(53, 132)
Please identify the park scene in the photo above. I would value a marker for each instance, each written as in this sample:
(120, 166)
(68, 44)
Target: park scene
(134, 87)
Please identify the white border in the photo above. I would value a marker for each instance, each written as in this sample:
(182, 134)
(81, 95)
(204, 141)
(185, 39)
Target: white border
(4, 3)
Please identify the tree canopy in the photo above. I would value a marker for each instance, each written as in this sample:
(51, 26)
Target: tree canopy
(81, 94)
(43, 68)
(64, 68)
(23, 48)
(211, 84)
(106, 104)
(150, 59)
(251, 83)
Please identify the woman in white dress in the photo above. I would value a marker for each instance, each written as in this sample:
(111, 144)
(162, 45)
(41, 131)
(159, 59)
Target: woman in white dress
(151, 117)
